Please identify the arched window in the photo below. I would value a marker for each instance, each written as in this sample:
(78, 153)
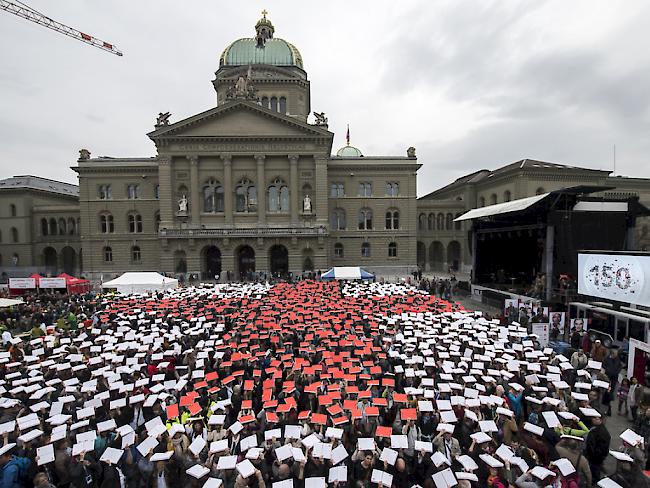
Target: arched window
(338, 250)
(62, 227)
(106, 224)
(274, 104)
(365, 189)
(449, 221)
(507, 196)
(278, 194)
(105, 192)
(14, 234)
(481, 202)
(156, 220)
(365, 250)
(12, 208)
(392, 188)
(540, 191)
(458, 225)
(283, 105)
(44, 228)
(245, 196)
(337, 190)
(72, 226)
(136, 255)
(135, 223)
(392, 220)
(392, 250)
(133, 192)
(265, 102)
(213, 196)
(338, 219)
(440, 221)
(431, 221)
(365, 219)
(53, 227)
(493, 199)
(422, 221)
(108, 254)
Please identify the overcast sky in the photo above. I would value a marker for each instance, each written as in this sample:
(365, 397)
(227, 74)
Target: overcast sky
(470, 84)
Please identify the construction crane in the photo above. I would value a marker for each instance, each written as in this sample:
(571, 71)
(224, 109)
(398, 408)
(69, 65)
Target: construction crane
(26, 12)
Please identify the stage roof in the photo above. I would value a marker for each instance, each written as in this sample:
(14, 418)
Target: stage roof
(502, 208)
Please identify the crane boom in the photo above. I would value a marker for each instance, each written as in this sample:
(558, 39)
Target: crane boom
(34, 16)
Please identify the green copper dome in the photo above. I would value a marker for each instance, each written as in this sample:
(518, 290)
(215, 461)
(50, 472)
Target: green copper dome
(277, 52)
(261, 49)
(349, 152)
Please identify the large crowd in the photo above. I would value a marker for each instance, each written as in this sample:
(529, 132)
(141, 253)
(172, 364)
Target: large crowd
(314, 384)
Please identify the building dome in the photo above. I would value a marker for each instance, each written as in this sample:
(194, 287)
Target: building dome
(349, 152)
(261, 49)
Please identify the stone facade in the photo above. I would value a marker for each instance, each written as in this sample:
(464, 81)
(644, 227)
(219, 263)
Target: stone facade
(251, 185)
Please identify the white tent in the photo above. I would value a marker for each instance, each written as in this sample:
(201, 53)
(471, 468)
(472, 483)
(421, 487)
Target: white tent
(9, 302)
(347, 273)
(141, 282)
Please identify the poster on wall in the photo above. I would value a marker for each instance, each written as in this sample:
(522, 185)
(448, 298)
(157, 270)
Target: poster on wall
(557, 321)
(578, 325)
(620, 277)
(22, 283)
(52, 283)
(541, 330)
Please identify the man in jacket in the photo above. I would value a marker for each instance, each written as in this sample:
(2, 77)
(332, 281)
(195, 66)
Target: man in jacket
(612, 365)
(447, 445)
(571, 448)
(597, 446)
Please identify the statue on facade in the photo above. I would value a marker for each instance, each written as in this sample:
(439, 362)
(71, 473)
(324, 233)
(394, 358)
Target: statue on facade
(84, 155)
(306, 204)
(243, 87)
(410, 152)
(182, 204)
(163, 119)
(320, 118)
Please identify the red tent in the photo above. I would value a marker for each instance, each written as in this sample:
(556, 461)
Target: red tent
(75, 285)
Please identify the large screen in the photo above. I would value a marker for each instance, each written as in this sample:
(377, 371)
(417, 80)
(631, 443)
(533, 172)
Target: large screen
(619, 277)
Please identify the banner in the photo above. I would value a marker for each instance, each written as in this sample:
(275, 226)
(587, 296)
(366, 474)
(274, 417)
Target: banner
(542, 331)
(52, 283)
(22, 283)
(619, 277)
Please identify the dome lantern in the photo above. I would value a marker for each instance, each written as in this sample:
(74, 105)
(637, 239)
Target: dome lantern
(264, 30)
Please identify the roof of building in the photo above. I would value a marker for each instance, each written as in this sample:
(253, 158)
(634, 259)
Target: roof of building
(30, 182)
(527, 164)
(268, 50)
(349, 152)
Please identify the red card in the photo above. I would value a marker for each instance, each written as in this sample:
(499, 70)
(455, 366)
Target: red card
(408, 414)
(194, 408)
(172, 411)
(319, 418)
(383, 431)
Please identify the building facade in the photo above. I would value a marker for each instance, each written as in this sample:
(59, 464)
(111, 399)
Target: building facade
(251, 185)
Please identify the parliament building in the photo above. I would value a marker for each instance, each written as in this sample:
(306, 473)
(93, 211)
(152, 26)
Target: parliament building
(254, 185)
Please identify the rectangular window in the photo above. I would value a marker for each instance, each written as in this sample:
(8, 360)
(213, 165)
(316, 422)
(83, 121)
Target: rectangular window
(365, 189)
(337, 190)
(133, 192)
(392, 188)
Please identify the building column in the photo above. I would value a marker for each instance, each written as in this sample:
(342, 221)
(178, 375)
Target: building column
(320, 198)
(293, 188)
(227, 187)
(195, 209)
(261, 190)
(165, 194)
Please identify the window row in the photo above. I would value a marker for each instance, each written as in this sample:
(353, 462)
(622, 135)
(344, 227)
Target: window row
(337, 189)
(133, 192)
(134, 223)
(274, 103)
(438, 222)
(136, 254)
(507, 196)
(364, 222)
(14, 235)
(277, 195)
(60, 227)
(339, 251)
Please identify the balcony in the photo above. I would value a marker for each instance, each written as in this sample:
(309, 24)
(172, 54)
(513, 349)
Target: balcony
(244, 232)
